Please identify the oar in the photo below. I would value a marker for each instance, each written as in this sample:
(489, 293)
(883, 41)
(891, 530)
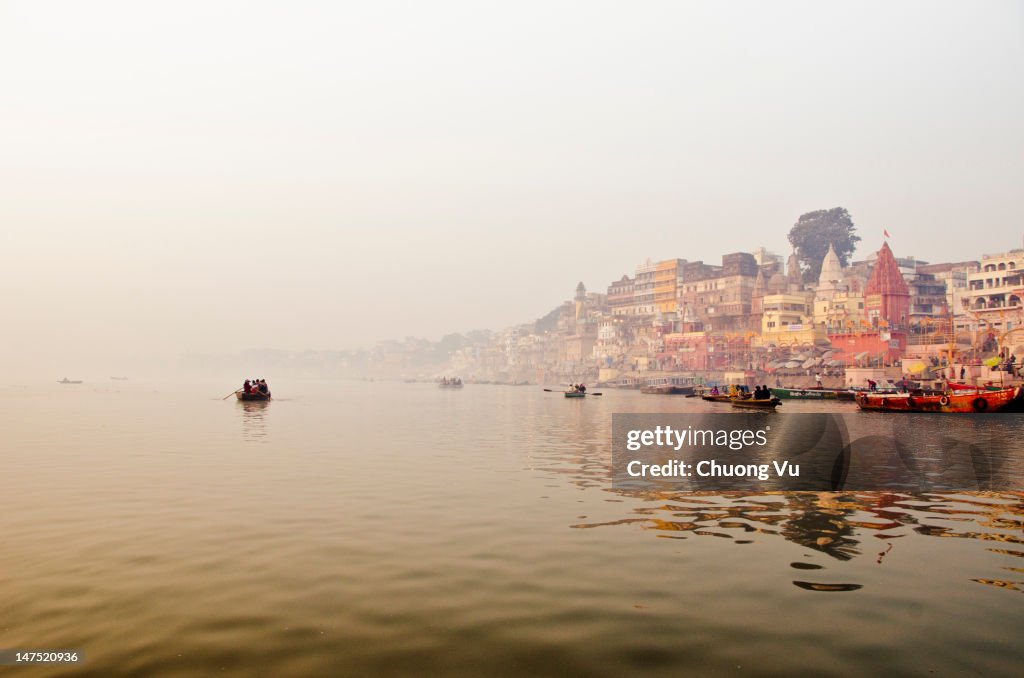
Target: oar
(550, 390)
(229, 395)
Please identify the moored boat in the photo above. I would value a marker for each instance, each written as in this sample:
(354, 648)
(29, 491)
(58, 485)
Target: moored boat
(953, 386)
(806, 393)
(667, 389)
(961, 401)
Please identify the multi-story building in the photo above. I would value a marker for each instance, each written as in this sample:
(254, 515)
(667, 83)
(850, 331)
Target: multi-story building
(787, 320)
(667, 274)
(620, 297)
(996, 291)
(643, 289)
(720, 296)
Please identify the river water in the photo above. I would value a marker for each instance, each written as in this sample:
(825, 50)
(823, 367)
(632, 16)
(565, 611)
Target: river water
(381, 528)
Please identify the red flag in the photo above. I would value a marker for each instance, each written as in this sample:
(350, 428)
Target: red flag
(886, 233)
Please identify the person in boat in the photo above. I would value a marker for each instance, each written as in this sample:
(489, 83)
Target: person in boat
(872, 385)
(817, 379)
(262, 386)
(963, 372)
(246, 387)
(714, 390)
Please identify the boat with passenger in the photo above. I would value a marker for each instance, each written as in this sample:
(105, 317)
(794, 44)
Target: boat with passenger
(253, 390)
(454, 382)
(757, 403)
(253, 396)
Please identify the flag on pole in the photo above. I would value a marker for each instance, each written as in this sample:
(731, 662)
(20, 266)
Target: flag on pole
(886, 233)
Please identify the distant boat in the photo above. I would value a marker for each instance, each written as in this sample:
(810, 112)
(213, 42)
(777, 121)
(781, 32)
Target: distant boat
(575, 394)
(120, 378)
(668, 386)
(450, 384)
(65, 380)
(242, 395)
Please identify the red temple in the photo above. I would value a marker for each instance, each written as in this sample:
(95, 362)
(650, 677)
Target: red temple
(887, 297)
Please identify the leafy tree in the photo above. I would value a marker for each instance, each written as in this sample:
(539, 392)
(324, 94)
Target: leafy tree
(815, 231)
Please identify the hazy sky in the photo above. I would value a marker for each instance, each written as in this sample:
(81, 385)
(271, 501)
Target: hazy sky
(209, 176)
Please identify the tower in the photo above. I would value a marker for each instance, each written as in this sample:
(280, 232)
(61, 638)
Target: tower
(581, 298)
(887, 297)
(796, 279)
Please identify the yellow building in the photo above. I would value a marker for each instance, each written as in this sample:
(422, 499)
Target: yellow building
(666, 284)
(788, 321)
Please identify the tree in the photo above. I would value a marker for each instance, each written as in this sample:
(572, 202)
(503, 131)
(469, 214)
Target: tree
(815, 231)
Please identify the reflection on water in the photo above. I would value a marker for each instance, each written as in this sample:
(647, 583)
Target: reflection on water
(253, 414)
(391, 529)
(836, 525)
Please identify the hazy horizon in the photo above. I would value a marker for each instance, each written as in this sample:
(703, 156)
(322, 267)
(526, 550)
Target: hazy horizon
(209, 177)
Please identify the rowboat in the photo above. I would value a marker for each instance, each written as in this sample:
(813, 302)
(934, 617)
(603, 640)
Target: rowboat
(952, 402)
(242, 395)
(757, 403)
(717, 398)
(575, 394)
(450, 385)
(65, 380)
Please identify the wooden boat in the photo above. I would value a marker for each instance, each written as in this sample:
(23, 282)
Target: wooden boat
(668, 386)
(721, 398)
(575, 394)
(258, 397)
(450, 385)
(953, 386)
(952, 402)
(806, 393)
(667, 389)
(757, 403)
(65, 380)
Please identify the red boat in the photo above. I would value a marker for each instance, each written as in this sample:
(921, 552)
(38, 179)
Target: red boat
(955, 401)
(953, 386)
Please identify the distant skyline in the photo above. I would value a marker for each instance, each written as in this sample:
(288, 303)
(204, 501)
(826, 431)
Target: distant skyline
(208, 177)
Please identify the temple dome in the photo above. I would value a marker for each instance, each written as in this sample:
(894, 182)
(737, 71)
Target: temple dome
(831, 268)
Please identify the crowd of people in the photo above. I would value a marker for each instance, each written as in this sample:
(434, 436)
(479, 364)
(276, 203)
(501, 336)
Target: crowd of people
(256, 386)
